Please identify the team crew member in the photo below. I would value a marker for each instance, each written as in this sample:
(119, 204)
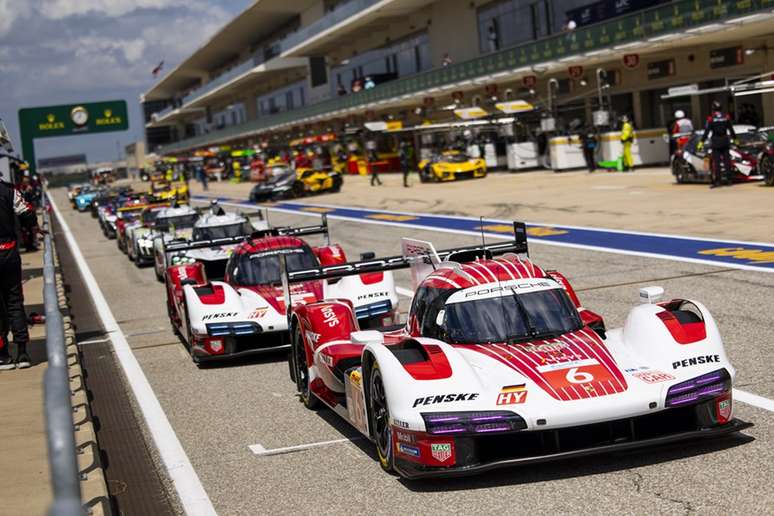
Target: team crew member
(722, 130)
(12, 205)
(627, 138)
(682, 127)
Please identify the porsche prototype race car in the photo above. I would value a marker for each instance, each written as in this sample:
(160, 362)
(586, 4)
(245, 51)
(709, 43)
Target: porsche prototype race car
(246, 312)
(167, 222)
(284, 183)
(135, 221)
(499, 364)
(215, 224)
(451, 165)
(692, 164)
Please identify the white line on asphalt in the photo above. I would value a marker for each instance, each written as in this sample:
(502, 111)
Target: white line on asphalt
(404, 292)
(259, 450)
(754, 400)
(189, 488)
(95, 341)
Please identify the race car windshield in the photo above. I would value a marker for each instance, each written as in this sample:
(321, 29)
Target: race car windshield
(149, 216)
(511, 318)
(455, 157)
(178, 221)
(215, 232)
(264, 268)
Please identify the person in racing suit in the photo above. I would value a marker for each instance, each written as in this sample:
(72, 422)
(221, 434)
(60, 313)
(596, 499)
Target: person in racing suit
(12, 205)
(721, 129)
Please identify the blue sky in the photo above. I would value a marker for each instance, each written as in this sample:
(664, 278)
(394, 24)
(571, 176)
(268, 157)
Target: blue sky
(63, 51)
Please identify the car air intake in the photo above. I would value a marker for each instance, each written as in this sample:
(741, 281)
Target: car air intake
(448, 423)
(698, 389)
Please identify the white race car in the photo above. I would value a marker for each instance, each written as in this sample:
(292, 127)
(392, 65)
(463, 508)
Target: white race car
(246, 312)
(499, 364)
(166, 221)
(215, 224)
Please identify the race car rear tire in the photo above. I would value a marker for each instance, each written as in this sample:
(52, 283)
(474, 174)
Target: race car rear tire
(337, 182)
(767, 168)
(309, 400)
(678, 171)
(189, 339)
(298, 190)
(379, 412)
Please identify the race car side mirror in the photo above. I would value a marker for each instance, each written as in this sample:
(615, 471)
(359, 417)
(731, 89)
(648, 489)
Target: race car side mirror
(651, 295)
(369, 255)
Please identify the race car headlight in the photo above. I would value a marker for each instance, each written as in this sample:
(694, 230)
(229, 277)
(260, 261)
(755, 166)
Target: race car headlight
(445, 423)
(698, 389)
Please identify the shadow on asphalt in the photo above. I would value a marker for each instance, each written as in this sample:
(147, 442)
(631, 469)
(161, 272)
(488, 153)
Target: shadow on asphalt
(248, 360)
(580, 467)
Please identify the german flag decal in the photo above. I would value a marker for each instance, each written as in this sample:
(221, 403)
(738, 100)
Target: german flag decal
(512, 395)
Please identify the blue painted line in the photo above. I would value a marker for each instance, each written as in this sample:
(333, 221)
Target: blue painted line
(722, 253)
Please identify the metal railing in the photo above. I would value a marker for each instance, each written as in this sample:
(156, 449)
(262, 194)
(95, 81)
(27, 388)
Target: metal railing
(63, 462)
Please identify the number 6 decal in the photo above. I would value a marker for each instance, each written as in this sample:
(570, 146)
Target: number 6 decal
(575, 376)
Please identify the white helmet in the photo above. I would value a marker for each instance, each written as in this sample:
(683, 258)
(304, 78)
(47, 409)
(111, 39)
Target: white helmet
(679, 114)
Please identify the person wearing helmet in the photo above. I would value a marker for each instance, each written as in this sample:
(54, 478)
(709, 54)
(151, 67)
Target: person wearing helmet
(682, 126)
(719, 131)
(627, 138)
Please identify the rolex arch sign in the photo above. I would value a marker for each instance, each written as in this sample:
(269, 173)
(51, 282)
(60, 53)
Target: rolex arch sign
(69, 120)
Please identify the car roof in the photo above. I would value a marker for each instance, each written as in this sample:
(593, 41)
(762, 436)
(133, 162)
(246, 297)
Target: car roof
(268, 243)
(451, 275)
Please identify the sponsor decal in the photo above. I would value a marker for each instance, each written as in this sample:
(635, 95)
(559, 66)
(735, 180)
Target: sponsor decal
(224, 315)
(312, 337)
(635, 369)
(258, 313)
(507, 287)
(408, 450)
(405, 436)
(401, 424)
(330, 316)
(441, 451)
(512, 395)
(543, 348)
(702, 359)
(653, 376)
(724, 410)
(567, 365)
(391, 217)
(373, 295)
(277, 252)
(445, 398)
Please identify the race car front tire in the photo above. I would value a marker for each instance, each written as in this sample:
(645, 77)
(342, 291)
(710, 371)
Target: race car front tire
(767, 169)
(379, 412)
(309, 400)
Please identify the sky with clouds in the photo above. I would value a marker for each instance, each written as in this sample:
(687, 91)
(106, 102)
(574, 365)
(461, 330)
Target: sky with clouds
(66, 51)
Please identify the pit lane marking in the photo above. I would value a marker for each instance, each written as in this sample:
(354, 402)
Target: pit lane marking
(261, 451)
(190, 491)
(754, 400)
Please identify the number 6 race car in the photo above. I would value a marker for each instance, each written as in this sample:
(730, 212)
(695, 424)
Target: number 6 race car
(245, 313)
(499, 365)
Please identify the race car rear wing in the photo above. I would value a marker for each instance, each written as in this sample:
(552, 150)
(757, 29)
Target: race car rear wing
(299, 231)
(461, 254)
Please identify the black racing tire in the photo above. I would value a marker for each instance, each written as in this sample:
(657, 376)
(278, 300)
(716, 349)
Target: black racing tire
(379, 413)
(767, 169)
(308, 398)
(189, 339)
(337, 183)
(425, 175)
(298, 190)
(159, 276)
(678, 171)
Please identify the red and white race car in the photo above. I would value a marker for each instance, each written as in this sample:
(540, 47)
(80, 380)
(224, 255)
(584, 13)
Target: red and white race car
(499, 364)
(245, 313)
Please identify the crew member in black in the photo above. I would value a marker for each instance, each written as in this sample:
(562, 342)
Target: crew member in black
(12, 205)
(719, 130)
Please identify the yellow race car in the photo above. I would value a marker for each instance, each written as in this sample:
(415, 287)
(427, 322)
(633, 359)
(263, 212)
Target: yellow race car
(163, 190)
(451, 165)
(284, 183)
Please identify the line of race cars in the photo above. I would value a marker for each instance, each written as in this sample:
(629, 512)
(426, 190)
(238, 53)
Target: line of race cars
(497, 364)
(752, 157)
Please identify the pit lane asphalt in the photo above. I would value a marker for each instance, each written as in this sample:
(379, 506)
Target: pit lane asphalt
(218, 412)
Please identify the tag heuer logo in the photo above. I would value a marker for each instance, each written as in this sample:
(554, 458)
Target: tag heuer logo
(441, 451)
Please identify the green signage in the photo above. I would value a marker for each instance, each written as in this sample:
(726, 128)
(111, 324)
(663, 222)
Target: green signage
(69, 120)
